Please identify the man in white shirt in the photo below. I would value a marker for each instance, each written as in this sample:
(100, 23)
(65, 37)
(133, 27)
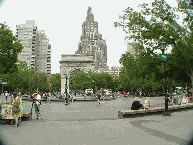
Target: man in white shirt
(37, 104)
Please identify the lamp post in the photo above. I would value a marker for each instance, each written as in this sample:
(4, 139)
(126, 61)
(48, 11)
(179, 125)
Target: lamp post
(164, 58)
(66, 90)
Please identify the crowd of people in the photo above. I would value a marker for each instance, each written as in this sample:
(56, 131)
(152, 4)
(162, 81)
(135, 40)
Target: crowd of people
(136, 105)
(177, 100)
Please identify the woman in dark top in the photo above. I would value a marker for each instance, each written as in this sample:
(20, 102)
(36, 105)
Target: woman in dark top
(136, 104)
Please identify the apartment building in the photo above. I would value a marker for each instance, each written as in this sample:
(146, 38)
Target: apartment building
(114, 71)
(43, 53)
(36, 48)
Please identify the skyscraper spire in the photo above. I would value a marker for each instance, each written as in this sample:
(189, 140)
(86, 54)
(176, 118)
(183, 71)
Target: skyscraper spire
(91, 42)
(90, 16)
(89, 11)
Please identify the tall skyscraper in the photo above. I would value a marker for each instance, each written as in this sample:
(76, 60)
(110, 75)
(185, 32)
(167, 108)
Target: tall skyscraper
(36, 51)
(91, 42)
(43, 53)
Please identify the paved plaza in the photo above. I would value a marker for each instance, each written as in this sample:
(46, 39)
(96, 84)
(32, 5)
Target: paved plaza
(83, 123)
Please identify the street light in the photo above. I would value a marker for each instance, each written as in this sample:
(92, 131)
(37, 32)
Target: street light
(66, 90)
(164, 58)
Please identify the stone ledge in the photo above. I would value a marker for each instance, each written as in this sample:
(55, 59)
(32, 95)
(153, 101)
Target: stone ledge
(156, 110)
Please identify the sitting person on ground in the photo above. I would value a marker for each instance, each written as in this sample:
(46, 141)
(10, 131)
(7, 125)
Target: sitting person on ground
(184, 99)
(72, 97)
(147, 104)
(136, 105)
(170, 99)
(175, 100)
(179, 101)
(187, 99)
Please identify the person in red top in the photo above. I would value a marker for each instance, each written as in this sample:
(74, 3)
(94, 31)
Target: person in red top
(124, 95)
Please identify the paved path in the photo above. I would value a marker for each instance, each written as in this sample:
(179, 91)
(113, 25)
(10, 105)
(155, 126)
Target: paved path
(83, 123)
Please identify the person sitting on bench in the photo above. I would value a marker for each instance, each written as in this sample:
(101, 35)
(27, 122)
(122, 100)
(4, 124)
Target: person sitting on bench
(136, 105)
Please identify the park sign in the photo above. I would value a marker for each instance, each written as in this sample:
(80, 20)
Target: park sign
(164, 57)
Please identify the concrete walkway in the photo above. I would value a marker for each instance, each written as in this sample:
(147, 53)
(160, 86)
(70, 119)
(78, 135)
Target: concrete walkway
(83, 123)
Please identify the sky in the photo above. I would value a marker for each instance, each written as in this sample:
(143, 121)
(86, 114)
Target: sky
(62, 21)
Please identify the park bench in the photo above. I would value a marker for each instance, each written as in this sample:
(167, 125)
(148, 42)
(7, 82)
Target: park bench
(156, 110)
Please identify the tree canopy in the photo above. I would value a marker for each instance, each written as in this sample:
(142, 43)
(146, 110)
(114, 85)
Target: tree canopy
(26, 79)
(10, 47)
(55, 82)
(141, 72)
(96, 81)
(157, 22)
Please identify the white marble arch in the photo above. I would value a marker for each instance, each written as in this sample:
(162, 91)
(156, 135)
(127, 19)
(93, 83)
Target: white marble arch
(71, 64)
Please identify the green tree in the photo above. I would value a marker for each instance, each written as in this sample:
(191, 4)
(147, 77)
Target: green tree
(115, 86)
(140, 72)
(176, 71)
(42, 82)
(17, 79)
(55, 82)
(159, 22)
(32, 80)
(80, 81)
(26, 80)
(10, 47)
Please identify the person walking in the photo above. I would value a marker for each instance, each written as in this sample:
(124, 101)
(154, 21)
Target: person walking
(67, 96)
(48, 98)
(99, 99)
(124, 95)
(16, 101)
(44, 95)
